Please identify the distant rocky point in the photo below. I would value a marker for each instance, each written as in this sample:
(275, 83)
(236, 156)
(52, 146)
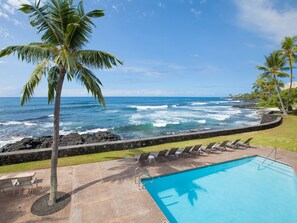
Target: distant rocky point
(65, 140)
(250, 105)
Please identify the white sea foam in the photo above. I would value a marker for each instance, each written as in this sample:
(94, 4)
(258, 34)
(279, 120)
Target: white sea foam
(157, 107)
(94, 130)
(198, 103)
(221, 117)
(11, 140)
(253, 115)
(164, 123)
(202, 121)
(66, 132)
(50, 116)
(8, 123)
(232, 111)
(48, 125)
(112, 111)
(218, 102)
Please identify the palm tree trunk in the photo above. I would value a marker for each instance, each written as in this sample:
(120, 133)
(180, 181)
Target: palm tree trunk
(279, 96)
(291, 81)
(54, 159)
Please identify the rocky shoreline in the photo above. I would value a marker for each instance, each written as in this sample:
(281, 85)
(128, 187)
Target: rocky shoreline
(65, 140)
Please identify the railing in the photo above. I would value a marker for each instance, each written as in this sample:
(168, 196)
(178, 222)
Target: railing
(275, 152)
(138, 174)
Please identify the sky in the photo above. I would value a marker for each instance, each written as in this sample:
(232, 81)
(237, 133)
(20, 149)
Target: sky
(169, 47)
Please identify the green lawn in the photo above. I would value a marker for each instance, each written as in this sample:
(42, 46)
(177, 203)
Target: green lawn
(283, 137)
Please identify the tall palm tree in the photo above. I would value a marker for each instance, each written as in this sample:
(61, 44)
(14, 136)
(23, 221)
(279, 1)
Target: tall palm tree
(65, 30)
(264, 87)
(274, 65)
(289, 50)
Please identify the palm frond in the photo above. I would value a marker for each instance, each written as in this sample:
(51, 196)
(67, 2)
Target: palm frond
(265, 75)
(34, 80)
(52, 81)
(30, 53)
(80, 28)
(261, 68)
(42, 19)
(89, 80)
(66, 60)
(97, 59)
(281, 74)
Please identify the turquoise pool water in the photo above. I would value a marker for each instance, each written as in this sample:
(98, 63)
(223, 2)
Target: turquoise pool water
(236, 191)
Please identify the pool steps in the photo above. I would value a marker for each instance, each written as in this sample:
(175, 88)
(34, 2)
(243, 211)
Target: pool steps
(275, 166)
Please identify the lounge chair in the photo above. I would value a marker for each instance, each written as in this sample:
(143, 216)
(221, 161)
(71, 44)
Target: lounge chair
(185, 152)
(160, 156)
(195, 151)
(145, 158)
(208, 148)
(172, 153)
(8, 183)
(221, 146)
(246, 143)
(233, 145)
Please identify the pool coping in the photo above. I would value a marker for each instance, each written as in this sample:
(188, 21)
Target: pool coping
(213, 164)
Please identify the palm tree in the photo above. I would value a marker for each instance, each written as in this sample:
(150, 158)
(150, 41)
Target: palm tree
(264, 87)
(65, 29)
(274, 66)
(289, 50)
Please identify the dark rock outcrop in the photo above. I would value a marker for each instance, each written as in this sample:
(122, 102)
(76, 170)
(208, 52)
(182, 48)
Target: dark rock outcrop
(65, 140)
(251, 105)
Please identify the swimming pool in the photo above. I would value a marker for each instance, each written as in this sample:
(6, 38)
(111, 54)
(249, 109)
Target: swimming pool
(236, 191)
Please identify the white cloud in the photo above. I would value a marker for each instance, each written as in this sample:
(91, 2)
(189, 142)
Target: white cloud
(16, 3)
(8, 8)
(134, 92)
(4, 15)
(5, 34)
(9, 91)
(195, 12)
(139, 70)
(161, 5)
(265, 18)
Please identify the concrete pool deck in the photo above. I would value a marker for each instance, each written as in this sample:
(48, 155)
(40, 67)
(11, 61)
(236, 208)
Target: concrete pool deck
(105, 191)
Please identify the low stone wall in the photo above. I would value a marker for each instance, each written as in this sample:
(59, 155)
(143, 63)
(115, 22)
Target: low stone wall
(269, 121)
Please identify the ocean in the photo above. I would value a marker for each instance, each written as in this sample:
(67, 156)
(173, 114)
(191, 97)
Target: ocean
(129, 117)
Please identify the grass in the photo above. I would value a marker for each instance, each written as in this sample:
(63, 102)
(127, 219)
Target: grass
(283, 136)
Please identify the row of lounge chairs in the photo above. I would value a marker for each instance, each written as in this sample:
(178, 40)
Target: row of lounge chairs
(191, 151)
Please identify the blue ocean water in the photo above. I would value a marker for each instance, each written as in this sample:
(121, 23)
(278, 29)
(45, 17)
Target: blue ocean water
(236, 191)
(129, 117)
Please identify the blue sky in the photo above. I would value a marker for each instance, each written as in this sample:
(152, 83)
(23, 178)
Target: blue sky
(169, 47)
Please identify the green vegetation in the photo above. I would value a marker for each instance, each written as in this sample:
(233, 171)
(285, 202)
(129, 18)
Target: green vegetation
(273, 100)
(65, 29)
(266, 89)
(288, 50)
(273, 68)
(246, 96)
(283, 136)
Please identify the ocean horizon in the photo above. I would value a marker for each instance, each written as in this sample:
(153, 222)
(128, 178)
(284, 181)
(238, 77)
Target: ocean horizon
(128, 117)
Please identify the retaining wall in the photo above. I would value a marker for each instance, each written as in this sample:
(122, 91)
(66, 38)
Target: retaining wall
(268, 121)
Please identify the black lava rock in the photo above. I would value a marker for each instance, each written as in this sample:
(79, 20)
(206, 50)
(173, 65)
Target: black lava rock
(65, 140)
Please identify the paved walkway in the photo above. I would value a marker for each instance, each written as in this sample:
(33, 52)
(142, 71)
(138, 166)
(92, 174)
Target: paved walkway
(105, 192)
